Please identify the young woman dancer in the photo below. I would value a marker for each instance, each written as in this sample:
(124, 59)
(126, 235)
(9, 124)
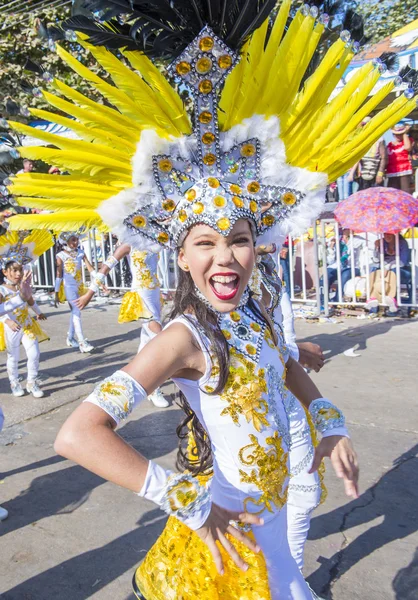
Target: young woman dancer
(18, 327)
(141, 303)
(230, 364)
(69, 275)
(210, 189)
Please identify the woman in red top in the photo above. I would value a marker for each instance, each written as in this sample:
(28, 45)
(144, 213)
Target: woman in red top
(399, 169)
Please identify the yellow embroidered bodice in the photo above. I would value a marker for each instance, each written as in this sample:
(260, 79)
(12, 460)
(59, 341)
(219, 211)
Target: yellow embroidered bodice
(247, 422)
(144, 270)
(30, 327)
(72, 269)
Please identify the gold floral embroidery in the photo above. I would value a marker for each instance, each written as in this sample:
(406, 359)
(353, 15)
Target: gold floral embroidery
(70, 267)
(244, 392)
(269, 475)
(143, 274)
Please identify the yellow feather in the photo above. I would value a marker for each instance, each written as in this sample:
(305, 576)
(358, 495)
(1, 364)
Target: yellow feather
(363, 112)
(78, 181)
(71, 220)
(66, 184)
(90, 135)
(87, 163)
(292, 62)
(133, 86)
(58, 204)
(95, 117)
(168, 97)
(41, 240)
(316, 81)
(345, 156)
(336, 115)
(250, 77)
(231, 91)
(67, 144)
(142, 114)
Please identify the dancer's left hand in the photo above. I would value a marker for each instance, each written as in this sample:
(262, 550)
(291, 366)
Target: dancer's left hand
(41, 317)
(311, 356)
(343, 458)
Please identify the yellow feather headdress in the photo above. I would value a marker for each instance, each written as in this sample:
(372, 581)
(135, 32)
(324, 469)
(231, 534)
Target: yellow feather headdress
(262, 144)
(23, 247)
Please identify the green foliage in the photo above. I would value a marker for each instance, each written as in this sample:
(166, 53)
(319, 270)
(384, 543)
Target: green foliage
(19, 40)
(384, 17)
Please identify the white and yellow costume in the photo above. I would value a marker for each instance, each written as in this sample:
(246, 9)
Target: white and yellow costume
(143, 301)
(22, 248)
(264, 143)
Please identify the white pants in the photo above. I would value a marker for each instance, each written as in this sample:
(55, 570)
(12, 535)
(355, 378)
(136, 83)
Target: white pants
(75, 329)
(31, 346)
(304, 492)
(285, 579)
(152, 301)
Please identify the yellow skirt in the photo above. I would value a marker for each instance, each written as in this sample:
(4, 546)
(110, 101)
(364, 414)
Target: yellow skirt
(180, 567)
(36, 330)
(133, 309)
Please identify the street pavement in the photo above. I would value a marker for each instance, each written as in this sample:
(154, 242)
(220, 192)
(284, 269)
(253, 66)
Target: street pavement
(71, 536)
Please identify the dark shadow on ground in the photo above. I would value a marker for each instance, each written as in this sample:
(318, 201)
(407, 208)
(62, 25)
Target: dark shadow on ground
(84, 575)
(65, 490)
(405, 584)
(394, 498)
(36, 465)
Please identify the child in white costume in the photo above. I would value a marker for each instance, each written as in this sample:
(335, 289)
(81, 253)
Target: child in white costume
(142, 302)
(18, 327)
(69, 275)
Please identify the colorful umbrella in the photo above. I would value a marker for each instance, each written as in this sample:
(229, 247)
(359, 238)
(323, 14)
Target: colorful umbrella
(378, 210)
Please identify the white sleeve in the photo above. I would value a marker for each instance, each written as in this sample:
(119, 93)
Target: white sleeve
(288, 324)
(118, 395)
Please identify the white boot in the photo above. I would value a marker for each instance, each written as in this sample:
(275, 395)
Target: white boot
(71, 341)
(17, 389)
(33, 388)
(3, 513)
(85, 347)
(158, 400)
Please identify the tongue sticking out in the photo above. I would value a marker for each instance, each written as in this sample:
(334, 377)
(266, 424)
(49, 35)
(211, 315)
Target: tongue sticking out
(224, 288)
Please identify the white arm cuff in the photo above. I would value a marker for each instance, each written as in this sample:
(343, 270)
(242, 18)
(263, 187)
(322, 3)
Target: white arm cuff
(111, 262)
(178, 494)
(327, 418)
(36, 309)
(58, 281)
(118, 395)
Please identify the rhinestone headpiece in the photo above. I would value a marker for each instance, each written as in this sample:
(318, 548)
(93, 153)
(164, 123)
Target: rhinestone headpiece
(216, 187)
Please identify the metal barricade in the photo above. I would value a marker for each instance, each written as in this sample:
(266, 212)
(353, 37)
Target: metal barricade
(319, 268)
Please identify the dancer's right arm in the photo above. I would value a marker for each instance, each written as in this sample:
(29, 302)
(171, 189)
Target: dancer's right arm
(88, 436)
(120, 253)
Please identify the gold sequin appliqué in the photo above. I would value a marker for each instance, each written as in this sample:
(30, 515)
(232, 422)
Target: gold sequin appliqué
(180, 567)
(269, 474)
(143, 274)
(244, 392)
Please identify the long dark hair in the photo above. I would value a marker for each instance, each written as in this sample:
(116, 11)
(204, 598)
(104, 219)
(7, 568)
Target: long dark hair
(197, 456)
